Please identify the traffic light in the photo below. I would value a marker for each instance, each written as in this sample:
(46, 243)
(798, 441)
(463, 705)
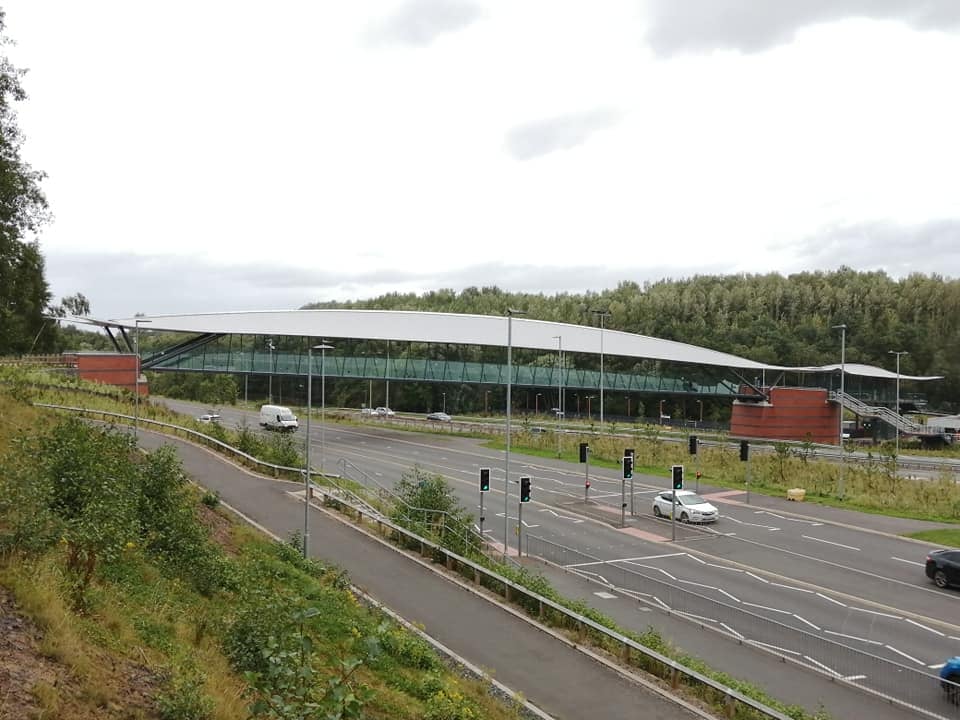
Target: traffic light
(744, 450)
(677, 473)
(693, 444)
(584, 449)
(484, 479)
(524, 489)
(627, 467)
(628, 452)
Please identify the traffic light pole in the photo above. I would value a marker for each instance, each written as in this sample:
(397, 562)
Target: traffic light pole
(623, 503)
(586, 481)
(673, 516)
(481, 515)
(519, 529)
(748, 480)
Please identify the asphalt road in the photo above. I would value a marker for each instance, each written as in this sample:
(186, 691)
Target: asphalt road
(839, 575)
(558, 679)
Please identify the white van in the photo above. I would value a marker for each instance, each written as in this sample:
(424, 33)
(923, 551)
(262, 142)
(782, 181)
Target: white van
(277, 417)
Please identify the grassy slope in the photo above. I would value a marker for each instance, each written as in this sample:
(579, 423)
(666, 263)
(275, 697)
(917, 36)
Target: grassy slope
(146, 632)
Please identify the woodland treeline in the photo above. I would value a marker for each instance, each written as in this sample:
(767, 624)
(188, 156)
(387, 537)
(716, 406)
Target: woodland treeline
(771, 318)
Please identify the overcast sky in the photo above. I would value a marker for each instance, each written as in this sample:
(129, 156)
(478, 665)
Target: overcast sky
(213, 155)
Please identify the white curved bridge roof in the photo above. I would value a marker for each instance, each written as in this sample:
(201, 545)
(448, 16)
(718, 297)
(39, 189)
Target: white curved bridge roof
(433, 327)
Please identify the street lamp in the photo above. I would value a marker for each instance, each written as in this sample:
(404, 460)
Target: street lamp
(536, 403)
(506, 478)
(559, 340)
(602, 314)
(271, 347)
(136, 381)
(661, 412)
(486, 402)
(843, 367)
(444, 401)
(898, 353)
(700, 403)
(323, 347)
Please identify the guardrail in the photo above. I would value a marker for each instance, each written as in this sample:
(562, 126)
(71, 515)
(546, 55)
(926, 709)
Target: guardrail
(846, 663)
(276, 470)
(631, 652)
(898, 684)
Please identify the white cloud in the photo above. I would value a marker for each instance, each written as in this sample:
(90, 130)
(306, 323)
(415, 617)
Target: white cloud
(224, 137)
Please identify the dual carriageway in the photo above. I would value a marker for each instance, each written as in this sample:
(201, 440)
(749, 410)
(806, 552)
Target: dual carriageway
(824, 588)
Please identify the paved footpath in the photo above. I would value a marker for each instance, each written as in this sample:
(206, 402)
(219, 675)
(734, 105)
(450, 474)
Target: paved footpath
(556, 678)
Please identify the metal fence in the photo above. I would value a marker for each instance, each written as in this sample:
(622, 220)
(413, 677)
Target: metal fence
(902, 685)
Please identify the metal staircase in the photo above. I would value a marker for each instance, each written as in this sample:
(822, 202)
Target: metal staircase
(885, 414)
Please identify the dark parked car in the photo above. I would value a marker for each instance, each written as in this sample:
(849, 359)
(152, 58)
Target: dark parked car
(943, 567)
(950, 678)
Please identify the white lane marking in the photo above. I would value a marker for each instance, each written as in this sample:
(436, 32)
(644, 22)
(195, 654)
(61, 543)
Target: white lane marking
(723, 567)
(744, 522)
(562, 517)
(812, 523)
(765, 607)
(732, 597)
(830, 542)
(605, 595)
(757, 577)
(821, 665)
(936, 666)
(651, 557)
(698, 617)
(853, 637)
(903, 654)
(731, 631)
(632, 561)
(924, 627)
(851, 678)
(909, 562)
(835, 602)
(875, 612)
(804, 620)
(661, 603)
(772, 647)
(791, 587)
(596, 575)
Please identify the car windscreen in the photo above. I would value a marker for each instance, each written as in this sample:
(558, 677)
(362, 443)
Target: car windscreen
(288, 416)
(691, 500)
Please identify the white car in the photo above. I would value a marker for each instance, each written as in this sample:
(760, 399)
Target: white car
(690, 506)
(384, 412)
(209, 418)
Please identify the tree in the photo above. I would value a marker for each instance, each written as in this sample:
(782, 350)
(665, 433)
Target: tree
(24, 293)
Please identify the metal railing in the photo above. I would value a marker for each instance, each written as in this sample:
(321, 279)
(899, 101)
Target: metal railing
(899, 684)
(275, 470)
(924, 695)
(630, 651)
(888, 416)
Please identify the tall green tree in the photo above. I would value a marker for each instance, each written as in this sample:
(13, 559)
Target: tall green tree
(24, 294)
